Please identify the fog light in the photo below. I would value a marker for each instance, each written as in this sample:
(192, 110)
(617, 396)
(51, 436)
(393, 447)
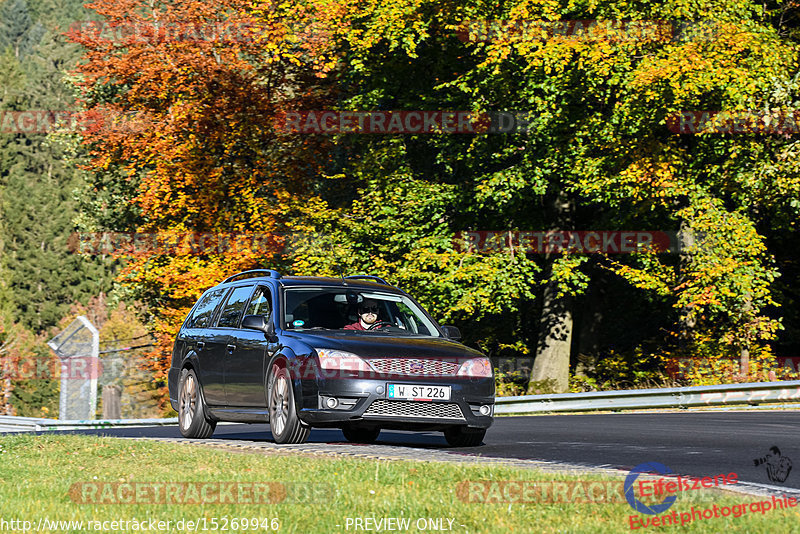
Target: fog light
(485, 409)
(331, 402)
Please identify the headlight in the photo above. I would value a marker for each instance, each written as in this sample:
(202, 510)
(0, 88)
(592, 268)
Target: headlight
(341, 360)
(476, 367)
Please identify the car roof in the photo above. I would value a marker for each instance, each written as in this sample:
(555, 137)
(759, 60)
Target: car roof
(316, 281)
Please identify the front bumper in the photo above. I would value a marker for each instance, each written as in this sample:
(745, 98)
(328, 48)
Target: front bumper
(364, 402)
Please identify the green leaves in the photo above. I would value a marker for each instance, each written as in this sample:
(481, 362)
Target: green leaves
(596, 155)
(597, 136)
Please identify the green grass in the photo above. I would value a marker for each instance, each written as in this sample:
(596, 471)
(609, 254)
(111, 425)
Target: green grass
(37, 472)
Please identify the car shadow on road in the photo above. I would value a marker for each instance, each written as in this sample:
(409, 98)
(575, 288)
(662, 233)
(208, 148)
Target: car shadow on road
(259, 433)
(333, 436)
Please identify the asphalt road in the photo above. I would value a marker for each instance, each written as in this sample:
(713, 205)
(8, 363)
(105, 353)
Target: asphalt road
(694, 443)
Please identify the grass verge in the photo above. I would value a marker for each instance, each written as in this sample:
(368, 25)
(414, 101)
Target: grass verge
(87, 478)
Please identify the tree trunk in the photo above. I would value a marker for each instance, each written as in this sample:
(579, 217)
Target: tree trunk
(747, 316)
(550, 372)
(744, 362)
(112, 405)
(686, 241)
(551, 366)
(7, 389)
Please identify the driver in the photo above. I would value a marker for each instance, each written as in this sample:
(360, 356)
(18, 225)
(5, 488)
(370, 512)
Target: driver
(367, 316)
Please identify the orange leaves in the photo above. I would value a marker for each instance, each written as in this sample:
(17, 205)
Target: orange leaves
(199, 84)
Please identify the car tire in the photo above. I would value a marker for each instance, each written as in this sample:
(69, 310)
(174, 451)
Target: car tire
(192, 419)
(284, 424)
(361, 434)
(461, 436)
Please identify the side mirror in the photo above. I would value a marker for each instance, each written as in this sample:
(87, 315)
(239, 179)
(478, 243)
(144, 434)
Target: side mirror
(259, 322)
(452, 332)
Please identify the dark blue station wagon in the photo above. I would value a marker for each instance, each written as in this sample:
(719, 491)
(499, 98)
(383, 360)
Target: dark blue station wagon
(299, 352)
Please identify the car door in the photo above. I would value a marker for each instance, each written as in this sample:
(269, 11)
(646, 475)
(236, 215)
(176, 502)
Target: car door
(201, 338)
(244, 371)
(230, 318)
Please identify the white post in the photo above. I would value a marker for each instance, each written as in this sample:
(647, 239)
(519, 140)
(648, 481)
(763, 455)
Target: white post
(94, 364)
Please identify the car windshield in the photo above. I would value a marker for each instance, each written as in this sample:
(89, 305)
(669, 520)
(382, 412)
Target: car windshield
(308, 308)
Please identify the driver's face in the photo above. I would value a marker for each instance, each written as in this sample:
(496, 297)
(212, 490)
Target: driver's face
(369, 312)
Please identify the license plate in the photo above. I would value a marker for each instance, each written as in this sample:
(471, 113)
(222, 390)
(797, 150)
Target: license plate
(409, 392)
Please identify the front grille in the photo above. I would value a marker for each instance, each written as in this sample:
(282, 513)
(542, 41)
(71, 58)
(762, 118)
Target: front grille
(429, 410)
(413, 367)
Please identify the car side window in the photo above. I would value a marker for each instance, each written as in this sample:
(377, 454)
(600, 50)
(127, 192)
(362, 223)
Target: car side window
(232, 312)
(407, 317)
(260, 304)
(201, 317)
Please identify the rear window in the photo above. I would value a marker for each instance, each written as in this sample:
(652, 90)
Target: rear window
(204, 311)
(232, 312)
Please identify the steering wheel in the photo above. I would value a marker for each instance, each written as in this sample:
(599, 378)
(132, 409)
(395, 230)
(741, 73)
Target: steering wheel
(379, 324)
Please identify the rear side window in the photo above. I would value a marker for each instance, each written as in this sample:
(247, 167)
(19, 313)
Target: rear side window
(232, 312)
(203, 312)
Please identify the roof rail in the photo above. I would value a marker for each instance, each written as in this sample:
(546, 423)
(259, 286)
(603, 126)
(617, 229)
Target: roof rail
(272, 274)
(367, 277)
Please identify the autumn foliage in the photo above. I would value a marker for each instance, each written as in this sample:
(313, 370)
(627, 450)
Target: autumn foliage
(194, 148)
(184, 116)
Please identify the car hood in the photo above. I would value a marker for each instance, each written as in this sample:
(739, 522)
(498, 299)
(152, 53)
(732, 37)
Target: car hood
(370, 346)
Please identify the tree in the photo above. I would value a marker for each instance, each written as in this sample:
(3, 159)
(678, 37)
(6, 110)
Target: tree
(596, 154)
(43, 277)
(18, 31)
(597, 144)
(16, 346)
(196, 88)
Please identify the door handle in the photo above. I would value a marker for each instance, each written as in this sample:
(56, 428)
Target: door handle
(231, 348)
(200, 345)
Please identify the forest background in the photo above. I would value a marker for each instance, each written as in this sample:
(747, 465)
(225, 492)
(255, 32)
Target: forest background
(193, 99)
